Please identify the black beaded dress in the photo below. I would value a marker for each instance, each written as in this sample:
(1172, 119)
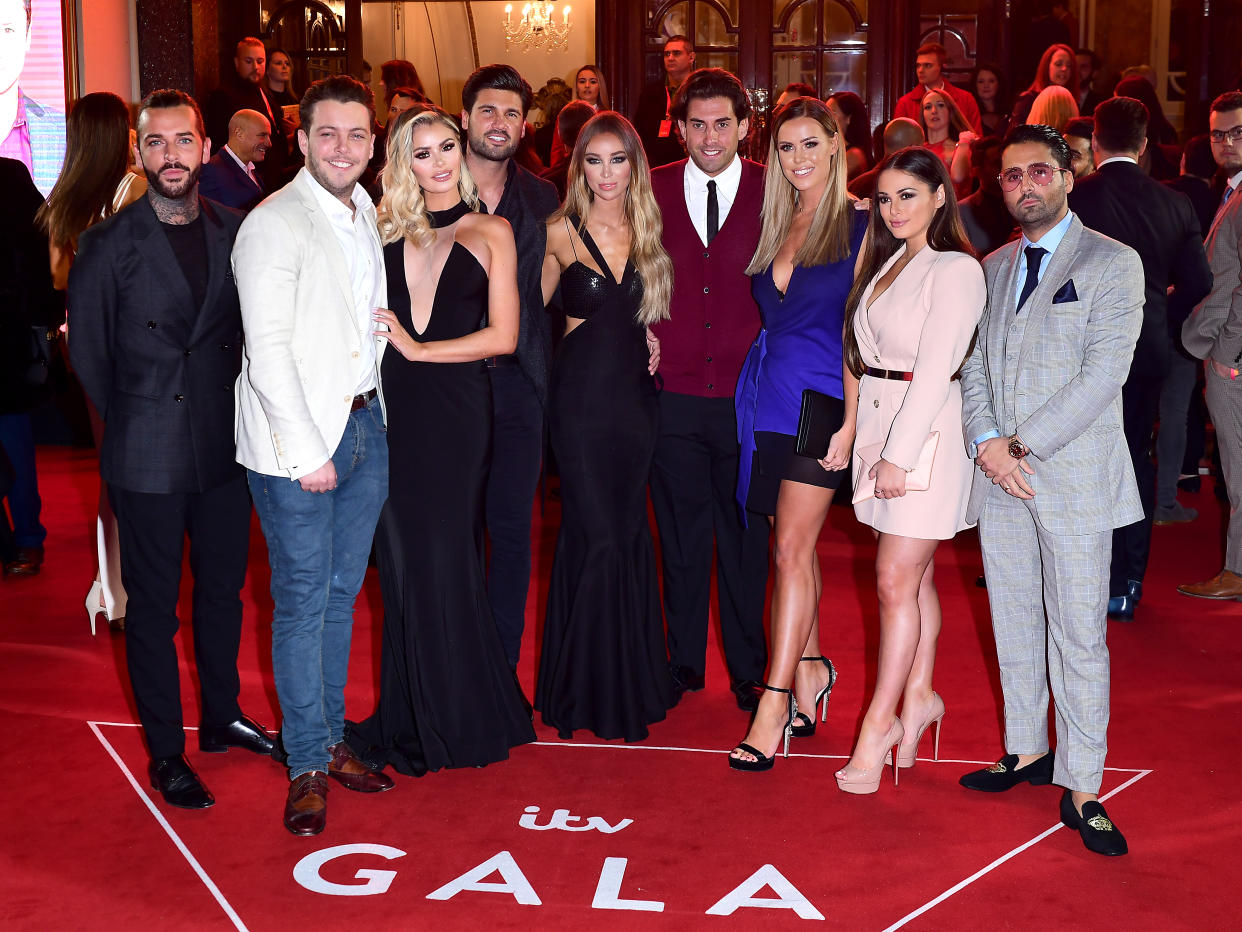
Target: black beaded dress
(603, 665)
(447, 695)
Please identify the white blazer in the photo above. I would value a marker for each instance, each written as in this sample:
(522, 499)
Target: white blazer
(302, 339)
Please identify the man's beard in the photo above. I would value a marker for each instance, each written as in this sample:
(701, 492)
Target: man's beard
(485, 150)
(179, 191)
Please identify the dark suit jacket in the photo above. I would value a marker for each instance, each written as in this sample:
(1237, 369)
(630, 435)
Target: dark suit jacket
(27, 300)
(648, 115)
(160, 371)
(527, 203)
(1122, 202)
(223, 180)
(1203, 198)
(235, 94)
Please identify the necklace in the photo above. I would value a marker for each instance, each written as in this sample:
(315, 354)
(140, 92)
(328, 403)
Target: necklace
(443, 218)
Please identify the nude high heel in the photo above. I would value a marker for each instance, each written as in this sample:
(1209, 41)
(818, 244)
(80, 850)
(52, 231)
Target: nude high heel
(935, 714)
(863, 780)
(93, 607)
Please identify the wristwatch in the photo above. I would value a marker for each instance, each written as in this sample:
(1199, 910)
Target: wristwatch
(1017, 449)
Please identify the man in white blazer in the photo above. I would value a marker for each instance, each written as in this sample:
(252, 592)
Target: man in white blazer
(1041, 411)
(310, 427)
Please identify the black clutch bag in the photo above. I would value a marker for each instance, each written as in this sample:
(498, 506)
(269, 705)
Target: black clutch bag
(821, 417)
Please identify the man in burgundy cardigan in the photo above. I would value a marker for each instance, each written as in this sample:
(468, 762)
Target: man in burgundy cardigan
(710, 204)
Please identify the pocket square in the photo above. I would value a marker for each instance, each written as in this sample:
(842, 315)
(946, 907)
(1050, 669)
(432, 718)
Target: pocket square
(1066, 294)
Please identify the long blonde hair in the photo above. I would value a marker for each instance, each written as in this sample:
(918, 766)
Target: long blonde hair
(641, 212)
(828, 239)
(402, 213)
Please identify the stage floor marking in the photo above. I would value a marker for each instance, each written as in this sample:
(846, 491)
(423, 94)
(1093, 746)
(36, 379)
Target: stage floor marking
(159, 818)
(909, 917)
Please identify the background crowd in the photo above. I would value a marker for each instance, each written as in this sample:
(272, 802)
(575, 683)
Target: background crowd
(382, 335)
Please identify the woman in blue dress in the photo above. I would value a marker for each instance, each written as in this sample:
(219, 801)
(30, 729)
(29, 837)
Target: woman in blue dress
(802, 271)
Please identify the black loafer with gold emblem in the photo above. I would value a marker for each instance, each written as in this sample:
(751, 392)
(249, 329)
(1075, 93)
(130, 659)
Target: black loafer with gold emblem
(1096, 828)
(1005, 774)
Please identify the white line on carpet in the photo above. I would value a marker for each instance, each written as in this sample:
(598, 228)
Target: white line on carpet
(1138, 775)
(159, 817)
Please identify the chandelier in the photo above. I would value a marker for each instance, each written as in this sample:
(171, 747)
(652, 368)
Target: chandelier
(537, 29)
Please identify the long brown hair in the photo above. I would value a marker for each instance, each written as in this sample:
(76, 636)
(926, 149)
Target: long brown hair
(828, 239)
(958, 123)
(641, 211)
(1045, 65)
(946, 234)
(601, 102)
(96, 159)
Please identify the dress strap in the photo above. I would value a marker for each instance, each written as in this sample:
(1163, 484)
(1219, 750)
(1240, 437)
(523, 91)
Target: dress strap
(570, 230)
(598, 256)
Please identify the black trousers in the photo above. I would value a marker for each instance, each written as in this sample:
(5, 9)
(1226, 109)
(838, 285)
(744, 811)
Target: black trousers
(1140, 406)
(153, 528)
(693, 483)
(517, 450)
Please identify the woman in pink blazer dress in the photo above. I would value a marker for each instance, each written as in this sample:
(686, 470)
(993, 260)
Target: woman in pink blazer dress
(910, 323)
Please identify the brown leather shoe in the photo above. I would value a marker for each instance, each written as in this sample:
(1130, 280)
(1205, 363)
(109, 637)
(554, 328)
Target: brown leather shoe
(353, 774)
(306, 809)
(26, 563)
(1224, 585)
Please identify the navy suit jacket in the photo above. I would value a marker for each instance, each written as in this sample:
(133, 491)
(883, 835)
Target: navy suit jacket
(223, 180)
(160, 371)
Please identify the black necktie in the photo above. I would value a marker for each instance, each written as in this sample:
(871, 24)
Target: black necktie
(713, 212)
(1034, 256)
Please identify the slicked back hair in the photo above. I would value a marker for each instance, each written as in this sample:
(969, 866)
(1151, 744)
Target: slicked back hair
(340, 88)
(1045, 135)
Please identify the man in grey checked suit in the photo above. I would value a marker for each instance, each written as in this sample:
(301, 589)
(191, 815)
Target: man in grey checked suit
(1042, 416)
(1213, 333)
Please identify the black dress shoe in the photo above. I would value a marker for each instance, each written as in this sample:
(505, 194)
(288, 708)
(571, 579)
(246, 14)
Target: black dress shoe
(178, 783)
(1005, 774)
(685, 680)
(26, 563)
(243, 733)
(1096, 828)
(747, 693)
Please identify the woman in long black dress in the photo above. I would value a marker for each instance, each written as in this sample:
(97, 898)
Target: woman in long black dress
(447, 695)
(603, 665)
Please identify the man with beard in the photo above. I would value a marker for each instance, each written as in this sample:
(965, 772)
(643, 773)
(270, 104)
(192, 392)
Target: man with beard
(1041, 411)
(1213, 333)
(494, 104)
(310, 427)
(245, 90)
(710, 203)
(157, 346)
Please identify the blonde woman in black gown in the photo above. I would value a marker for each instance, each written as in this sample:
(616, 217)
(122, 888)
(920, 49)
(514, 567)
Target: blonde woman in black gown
(603, 665)
(447, 695)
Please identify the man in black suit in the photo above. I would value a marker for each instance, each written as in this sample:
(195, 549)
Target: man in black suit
(652, 117)
(157, 345)
(231, 177)
(1121, 201)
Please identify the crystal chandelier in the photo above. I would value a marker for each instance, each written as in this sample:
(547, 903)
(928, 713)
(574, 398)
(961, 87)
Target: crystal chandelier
(537, 29)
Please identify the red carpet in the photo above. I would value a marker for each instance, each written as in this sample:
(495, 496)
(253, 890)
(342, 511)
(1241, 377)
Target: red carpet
(653, 836)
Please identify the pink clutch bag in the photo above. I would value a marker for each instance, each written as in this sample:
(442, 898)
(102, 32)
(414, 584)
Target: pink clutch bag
(918, 480)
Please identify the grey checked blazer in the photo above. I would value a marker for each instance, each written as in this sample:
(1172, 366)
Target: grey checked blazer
(1214, 330)
(1064, 388)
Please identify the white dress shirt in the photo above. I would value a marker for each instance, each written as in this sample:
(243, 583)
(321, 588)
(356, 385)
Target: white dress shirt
(247, 167)
(695, 186)
(358, 235)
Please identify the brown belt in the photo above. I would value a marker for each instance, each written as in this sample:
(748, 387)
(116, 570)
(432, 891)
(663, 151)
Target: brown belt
(361, 401)
(894, 374)
(898, 376)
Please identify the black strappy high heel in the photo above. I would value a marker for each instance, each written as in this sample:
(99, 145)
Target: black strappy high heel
(762, 761)
(804, 726)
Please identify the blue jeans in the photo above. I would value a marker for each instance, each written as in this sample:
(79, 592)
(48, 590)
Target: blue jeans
(317, 547)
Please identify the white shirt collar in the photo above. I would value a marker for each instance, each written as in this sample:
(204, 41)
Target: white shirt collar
(247, 167)
(1235, 180)
(333, 207)
(726, 182)
(1117, 158)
